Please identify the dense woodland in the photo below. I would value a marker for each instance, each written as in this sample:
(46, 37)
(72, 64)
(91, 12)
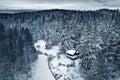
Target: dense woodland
(91, 33)
(16, 53)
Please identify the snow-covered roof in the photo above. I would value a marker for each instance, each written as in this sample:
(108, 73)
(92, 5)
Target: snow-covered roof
(71, 52)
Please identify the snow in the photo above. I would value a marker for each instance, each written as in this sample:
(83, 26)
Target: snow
(40, 45)
(63, 71)
(61, 67)
(40, 69)
(71, 52)
(97, 45)
(62, 60)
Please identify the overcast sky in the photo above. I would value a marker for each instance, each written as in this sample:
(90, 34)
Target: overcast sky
(59, 4)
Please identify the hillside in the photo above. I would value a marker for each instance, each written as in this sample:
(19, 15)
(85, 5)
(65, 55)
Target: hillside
(95, 35)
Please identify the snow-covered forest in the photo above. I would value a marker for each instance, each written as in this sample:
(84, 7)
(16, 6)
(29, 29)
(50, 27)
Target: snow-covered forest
(94, 35)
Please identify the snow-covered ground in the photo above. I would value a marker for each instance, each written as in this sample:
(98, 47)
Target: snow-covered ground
(65, 69)
(62, 67)
(40, 69)
(40, 45)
